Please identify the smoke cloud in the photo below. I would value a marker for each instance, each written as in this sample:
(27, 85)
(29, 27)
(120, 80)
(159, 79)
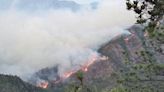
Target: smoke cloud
(30, 41)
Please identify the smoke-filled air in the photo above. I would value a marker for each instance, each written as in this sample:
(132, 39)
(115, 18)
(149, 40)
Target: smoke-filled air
(35, 34)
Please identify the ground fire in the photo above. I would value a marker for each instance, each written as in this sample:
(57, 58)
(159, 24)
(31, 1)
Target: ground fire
(43, 84)
(67, 74)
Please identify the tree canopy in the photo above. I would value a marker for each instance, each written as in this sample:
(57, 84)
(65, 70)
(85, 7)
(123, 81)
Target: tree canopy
(150, 11)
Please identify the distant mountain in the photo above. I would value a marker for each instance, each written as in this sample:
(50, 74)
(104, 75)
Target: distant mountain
(46, 4)
(33, 5)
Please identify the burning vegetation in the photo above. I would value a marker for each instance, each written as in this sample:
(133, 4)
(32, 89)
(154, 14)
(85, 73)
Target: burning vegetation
(84, 68)
(42, 84)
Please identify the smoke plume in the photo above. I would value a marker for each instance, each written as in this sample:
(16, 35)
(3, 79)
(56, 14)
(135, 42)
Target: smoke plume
(32, 40)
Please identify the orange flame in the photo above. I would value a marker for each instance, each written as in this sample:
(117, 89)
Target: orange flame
(90, 62)
(94, 58)
(43, 84)
(68, 74)
(84, 68)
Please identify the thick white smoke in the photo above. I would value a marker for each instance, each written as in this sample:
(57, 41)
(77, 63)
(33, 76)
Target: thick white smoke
(30, 42)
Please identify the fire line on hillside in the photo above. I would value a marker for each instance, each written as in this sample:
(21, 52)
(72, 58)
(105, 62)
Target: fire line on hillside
(84, 68)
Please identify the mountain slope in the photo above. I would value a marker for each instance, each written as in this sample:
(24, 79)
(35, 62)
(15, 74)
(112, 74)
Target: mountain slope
(101, 75)
(10, 83)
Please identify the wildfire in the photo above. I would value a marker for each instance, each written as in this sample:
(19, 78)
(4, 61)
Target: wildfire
(43, 84)
(84, 68)
(89, 63)
(68, 74)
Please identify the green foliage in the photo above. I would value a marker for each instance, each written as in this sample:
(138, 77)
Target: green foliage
(151, 13)
(74, 87)
(152, 9)
(119, 89)
(141, 78)
(80, 76)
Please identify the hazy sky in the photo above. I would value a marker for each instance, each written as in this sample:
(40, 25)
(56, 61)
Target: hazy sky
(35, 34)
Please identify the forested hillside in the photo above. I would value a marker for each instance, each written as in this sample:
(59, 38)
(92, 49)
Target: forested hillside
(9, 83)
